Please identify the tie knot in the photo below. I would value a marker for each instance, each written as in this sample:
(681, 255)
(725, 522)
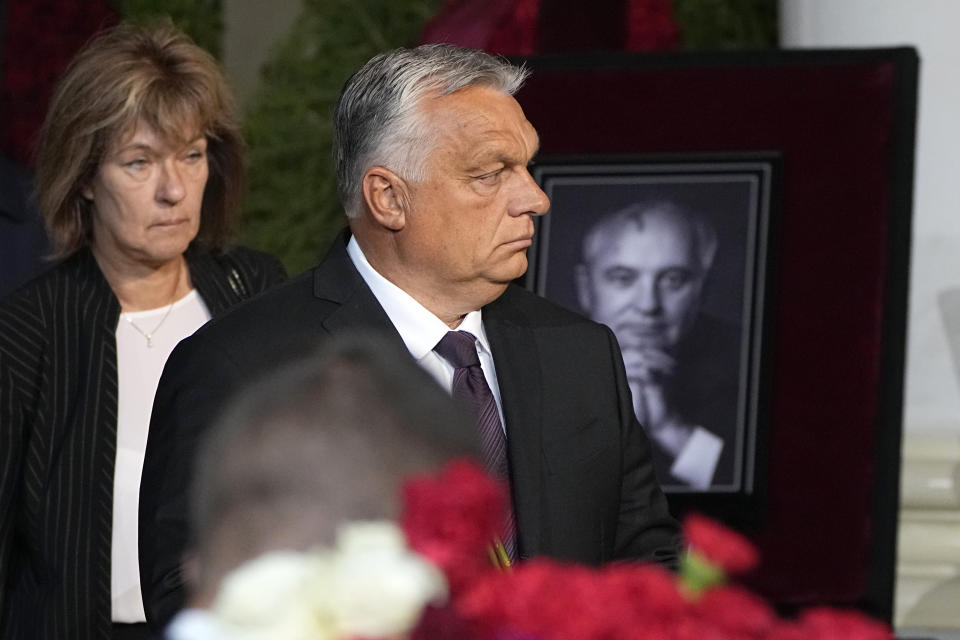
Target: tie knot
(459, 349)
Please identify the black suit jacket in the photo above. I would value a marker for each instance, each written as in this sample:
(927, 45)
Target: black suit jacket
(705, 390)
(581, 473)
(58, 436)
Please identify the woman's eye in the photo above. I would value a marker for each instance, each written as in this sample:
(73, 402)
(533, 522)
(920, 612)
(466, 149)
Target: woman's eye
(195, 155)
(136, 164)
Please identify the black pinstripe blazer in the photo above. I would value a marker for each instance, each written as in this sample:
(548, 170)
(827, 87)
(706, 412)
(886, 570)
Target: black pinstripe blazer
(58, 427)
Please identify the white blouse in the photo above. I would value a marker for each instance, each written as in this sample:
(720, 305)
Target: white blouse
(139, 364)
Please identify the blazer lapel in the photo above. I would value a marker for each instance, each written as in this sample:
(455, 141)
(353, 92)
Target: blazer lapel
(355, 307)
(519, 377)
(206, 277)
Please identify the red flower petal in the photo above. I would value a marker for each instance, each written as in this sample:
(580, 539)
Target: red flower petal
(722, 546)
(452, 517)
(823, 623)
(736, 611)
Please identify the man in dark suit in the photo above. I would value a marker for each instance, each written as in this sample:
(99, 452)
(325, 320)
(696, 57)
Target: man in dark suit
(432, 154)
(643, 274)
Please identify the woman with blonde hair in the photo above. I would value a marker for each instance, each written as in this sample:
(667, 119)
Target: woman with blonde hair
(139, 178)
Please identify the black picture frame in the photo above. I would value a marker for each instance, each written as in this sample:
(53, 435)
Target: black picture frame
(824, 518)
(734, 195)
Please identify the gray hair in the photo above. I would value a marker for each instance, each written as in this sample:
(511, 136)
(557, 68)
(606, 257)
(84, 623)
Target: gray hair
(704, 235)
(377, 121)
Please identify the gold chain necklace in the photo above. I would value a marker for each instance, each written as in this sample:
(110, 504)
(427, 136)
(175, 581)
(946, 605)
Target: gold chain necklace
(149, 334)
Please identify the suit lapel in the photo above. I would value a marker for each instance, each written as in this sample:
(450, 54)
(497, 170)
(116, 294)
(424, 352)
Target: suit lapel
(519, 378)
(354, 307)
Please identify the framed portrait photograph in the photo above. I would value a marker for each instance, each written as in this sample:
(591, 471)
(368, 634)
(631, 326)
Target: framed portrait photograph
(672, 254)
(802, 163)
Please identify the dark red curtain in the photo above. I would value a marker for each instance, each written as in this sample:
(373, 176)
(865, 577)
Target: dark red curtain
(39, 38)
(526, 27)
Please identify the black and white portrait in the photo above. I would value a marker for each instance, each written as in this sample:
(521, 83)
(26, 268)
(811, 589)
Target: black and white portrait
(670, 257)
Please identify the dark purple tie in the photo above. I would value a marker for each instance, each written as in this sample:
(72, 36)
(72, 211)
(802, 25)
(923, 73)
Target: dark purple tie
(469, 386)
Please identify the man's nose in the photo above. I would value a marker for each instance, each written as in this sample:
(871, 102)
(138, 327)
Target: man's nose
(530, 198)
(647, 298)
(171, 188)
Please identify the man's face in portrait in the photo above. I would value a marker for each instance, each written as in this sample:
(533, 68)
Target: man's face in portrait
(643, 278)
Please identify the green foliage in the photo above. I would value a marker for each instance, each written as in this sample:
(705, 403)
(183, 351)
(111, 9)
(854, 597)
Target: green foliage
(698, 574)
(292, 209)
(202, 20)
(727, 24)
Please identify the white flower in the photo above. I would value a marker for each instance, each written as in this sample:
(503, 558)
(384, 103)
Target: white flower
(371, 585)
(381, 587)
(268, 599)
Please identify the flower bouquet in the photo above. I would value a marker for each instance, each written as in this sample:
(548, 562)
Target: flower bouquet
(435, 581)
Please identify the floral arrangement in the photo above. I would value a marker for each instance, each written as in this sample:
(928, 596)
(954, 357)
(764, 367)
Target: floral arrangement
(435, 581)
(370, 585)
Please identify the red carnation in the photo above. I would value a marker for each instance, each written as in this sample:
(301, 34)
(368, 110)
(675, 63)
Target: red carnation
(736, 611)
(452, 517)
(445, 623)
(719, 545)
(485, 604)
(641, 595)
(540, 599)
(823, 623)
(788, 630)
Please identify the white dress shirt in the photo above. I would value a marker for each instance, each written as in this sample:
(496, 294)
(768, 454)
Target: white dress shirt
(698, 459)
(421, 330)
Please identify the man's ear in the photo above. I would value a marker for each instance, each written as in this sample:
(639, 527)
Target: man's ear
(584, 293)
(385, 194)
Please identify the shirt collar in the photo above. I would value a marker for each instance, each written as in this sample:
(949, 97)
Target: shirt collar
(417, 326)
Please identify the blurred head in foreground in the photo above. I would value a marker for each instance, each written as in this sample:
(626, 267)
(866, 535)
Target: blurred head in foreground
(320, 442)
